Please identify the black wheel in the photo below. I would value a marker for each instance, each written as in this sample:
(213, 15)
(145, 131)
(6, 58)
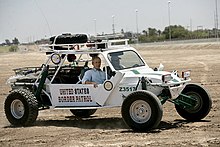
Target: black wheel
(142, 111)
(201, 104)
(83, 112)
(21, 107)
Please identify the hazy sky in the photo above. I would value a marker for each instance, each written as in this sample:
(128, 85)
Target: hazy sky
(30, 20)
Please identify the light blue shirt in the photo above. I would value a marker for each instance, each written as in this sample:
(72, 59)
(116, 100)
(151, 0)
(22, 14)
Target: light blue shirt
(94, 75)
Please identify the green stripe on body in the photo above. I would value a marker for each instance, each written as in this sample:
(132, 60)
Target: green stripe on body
(135, 71)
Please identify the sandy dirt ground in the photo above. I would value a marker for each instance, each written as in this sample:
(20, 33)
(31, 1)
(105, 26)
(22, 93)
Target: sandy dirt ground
(106, 127)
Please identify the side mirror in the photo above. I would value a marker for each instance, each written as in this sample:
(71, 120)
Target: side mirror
(113, 73)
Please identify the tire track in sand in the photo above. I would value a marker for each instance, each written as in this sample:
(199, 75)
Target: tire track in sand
(204, 76)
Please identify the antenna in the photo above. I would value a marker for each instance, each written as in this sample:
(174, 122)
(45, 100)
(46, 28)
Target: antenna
(44, 17)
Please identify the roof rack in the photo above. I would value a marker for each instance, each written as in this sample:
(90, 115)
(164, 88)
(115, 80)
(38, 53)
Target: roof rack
(88, 46)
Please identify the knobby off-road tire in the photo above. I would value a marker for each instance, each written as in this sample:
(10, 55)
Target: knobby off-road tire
(21, 107)
(202, 104)
(142, 111)
(84, 113)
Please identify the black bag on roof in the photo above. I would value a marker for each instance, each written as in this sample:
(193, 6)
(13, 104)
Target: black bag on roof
(69, 39)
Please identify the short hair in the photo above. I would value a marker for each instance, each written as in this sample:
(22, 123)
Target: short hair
(95, 57)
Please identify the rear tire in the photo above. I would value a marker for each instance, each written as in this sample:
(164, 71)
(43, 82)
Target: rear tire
(84, 113)
(142, 111)
(202, 104)
(21, 107)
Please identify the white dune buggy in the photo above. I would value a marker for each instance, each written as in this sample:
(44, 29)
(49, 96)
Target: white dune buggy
(130, 83)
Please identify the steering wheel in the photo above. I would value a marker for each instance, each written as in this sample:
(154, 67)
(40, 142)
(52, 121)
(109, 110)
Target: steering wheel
(135, 65)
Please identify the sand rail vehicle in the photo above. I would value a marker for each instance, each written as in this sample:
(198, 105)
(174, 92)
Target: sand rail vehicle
(130, 83)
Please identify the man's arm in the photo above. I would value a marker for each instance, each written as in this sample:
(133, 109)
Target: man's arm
(87, 78)
(89, 82)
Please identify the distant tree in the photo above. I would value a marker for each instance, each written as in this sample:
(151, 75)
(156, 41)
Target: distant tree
(128, 35)
(145, 32)
(15, 41)
(122, 31)
(143, 38)
(166, 32)
(177, 32)
(7, 42)
(13, 48)
(152, 32)
(200, 34)
(159, 32)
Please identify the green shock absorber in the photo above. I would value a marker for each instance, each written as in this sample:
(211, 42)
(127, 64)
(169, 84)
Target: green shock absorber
(143, 83)
(44, 75)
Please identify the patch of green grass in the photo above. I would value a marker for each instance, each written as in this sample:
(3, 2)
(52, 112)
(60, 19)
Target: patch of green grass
(4, 49)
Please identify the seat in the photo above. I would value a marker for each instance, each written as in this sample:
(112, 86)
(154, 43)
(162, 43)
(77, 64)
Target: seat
(85, 68)
(109, 71)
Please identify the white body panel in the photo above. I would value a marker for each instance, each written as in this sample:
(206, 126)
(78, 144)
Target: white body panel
(76, 95)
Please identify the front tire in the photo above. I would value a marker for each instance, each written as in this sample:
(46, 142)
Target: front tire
(201, 105)
(21, 107)
(142, 111)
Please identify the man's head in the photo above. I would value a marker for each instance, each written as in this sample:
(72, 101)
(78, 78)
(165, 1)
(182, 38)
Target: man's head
(96, 62)
(115, 60)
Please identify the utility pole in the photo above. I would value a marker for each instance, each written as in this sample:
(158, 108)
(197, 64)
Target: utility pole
(169, 19)
(216, 18)
(136, 12)
(95, 27)
(113, 24)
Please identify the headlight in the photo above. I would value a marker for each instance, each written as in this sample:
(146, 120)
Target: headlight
(166, 78)
(186, 74)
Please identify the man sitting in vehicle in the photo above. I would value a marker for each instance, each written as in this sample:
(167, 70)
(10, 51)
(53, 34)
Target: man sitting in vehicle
(115, 60)
(95, 75)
